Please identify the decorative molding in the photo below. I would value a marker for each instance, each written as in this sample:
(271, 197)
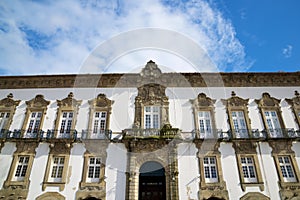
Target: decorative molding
(203, 101)
(60, 147)
(281, 146)
(8, 101)
(69, 101)
(295, 106)
(101, 101)
(235, 103)
(14, 193)
(245, 147)
(267, 101)
(37, 102)
(26, 147)
(254, 196)
(151, 94)
(248, 79)
(51, 196)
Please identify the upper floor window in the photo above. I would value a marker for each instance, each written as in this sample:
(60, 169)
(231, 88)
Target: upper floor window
(4, 118)
(210, 169)
(152, 117)
(271, 115)
(273, 123)
(7, 110)
(295, 106)
(237, 110)
(66, 116)
(99, 118)
(203, 108)
(239, 124)
(66, 123)
(286, 169)
(248, 168)
(99, 122)
(34, 122)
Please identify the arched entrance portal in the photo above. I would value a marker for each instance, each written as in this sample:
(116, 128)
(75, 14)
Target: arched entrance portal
(152, 181)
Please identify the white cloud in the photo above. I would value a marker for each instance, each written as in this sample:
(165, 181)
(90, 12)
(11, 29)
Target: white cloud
(57, 36)
(287, 51)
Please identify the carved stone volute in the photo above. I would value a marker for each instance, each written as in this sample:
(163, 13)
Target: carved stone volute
(37, 102)
(267, 101)
(203, 101)
(8, 101)
(235, 101)
(101, 101)
(294, 102)
(69, 101)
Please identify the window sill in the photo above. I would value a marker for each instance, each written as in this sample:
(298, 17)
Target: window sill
(254, 184)
(61, 185)
(17, 184)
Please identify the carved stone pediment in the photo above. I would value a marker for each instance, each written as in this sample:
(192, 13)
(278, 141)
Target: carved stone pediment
(146, 146)
(26, 147)
(267, 101)
(203, 101)
(294, 102)
(101, 101)
(70, 101)
(8, 101)
(37, 102)
(152, 94)
(245, 147)
(281, 146)
(235, 101)
(150, 71)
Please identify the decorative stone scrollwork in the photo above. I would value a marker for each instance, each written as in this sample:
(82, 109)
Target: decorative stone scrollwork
(267, 101)
(150, 71)
(295, 106)
(69, 101)
(101, 101)
(281, 147)
(37, 102)
(245, 147)
(203, 101)
(9, 102)
(60, 147)
(235, 101)
(26, 147)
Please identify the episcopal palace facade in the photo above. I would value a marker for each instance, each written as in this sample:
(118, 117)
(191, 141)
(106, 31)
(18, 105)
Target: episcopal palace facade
(150, 135)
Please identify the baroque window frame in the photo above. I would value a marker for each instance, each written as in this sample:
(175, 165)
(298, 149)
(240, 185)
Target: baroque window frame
(58, 149)
(37, 104)
(8, 105)
(68, 104)
(284, 148)
(295, 106)
(248, 149)
(99, 104)
(204, 104)
(209, 148)
(94, 148)
(23, 149)
(151, 94)
(237, 104)
(268, 103)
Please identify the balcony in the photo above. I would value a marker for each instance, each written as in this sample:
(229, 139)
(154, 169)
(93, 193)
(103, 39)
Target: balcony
(100, 135)
(167, 132)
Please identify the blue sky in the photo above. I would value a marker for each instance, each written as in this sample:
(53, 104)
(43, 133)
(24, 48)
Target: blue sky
(58, 37)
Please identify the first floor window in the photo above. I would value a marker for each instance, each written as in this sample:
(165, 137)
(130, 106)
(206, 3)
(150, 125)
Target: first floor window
(21, 168)
(248, 168)
(57, 169)
(94, 169)
(210, 169)
(286, 169)
(152, 117)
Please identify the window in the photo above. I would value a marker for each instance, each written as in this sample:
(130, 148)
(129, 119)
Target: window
(94, 169)
(57, 169)
(152, 117)
(66, 123)
(210, 169)
(248, 169)
(99, 124)
(286, 169)
(34, 122)
(4, 118)
(21, 168)
(239, 124)
(205, 127)
(273, 123)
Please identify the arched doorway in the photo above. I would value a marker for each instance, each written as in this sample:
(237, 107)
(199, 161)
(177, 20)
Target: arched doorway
(152, 181)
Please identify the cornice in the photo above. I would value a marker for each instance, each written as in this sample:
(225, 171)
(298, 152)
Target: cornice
(271, 79)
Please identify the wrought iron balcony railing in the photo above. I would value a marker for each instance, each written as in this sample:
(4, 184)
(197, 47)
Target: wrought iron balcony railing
(165, 132)
(100, 135)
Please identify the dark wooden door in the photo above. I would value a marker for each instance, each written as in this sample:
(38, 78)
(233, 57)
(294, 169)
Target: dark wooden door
(152, 187)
